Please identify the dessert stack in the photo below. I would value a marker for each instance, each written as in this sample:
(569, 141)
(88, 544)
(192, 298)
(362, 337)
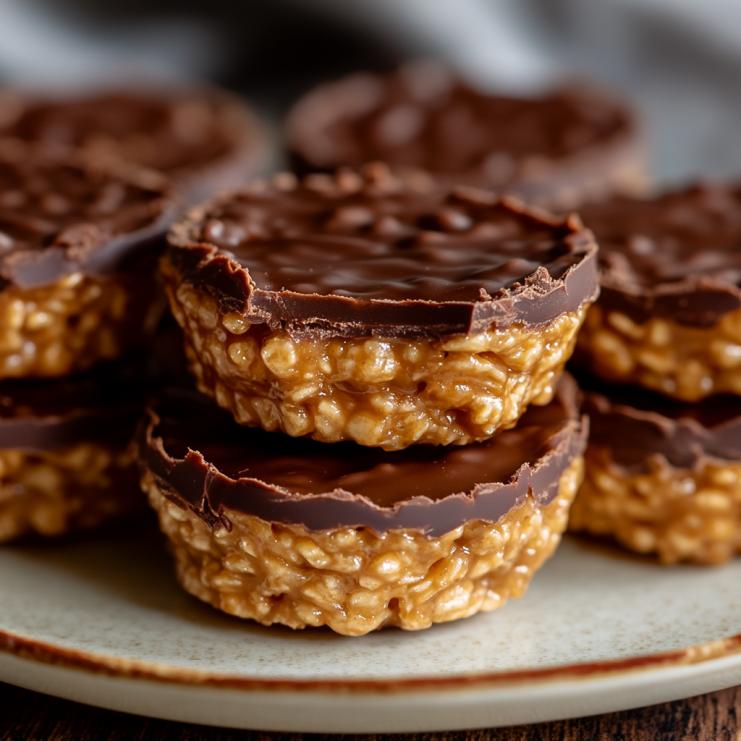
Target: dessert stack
(81, 230)
(395, 444)
(661, 352)
(382, 434)
(201, 140)
(78, 295)
(558, 149)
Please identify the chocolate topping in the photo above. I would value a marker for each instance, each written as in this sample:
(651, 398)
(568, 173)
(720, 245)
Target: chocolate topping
(62, 214)
(677, 256)
(378, 253)
(422, 116)
(635, 425)
(201, 457)
(101, 406)
(202, 140)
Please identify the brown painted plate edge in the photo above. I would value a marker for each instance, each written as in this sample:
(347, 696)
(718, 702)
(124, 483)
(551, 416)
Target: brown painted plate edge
(49, 653)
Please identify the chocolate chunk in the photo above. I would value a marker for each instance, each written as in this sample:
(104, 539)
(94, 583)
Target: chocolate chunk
(636, 425)
(203, 140)
(676, 257)
(378, 253)
(201, 457)
(102, 406)
(422, 116)
(62, 214)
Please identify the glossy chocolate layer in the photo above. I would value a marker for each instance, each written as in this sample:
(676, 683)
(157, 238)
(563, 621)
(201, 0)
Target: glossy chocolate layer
(635, 425)
(203, 140)
(201, 457)
(422, 116)
(378, 253)
(102, 406)
(63, 214)
(677, 256)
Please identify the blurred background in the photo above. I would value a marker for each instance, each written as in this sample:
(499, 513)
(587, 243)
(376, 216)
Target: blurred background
(679, 61)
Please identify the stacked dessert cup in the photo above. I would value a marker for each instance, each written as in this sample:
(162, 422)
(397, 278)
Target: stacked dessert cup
(557, 149)
(381, 432)
(660, 356)
(78, 296)
(82, 227)
(201, 139)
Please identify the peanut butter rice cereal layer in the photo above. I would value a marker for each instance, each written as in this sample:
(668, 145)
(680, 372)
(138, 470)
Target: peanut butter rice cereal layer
(203, 140)
(663, 477)
(78, 249)
(66, 459)
(291, 531)
(669, 315)
(557, 148)
(377, 308)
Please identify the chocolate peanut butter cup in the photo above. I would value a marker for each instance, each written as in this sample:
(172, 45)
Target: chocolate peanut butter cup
(79, 244)
(669, 315)
(556, 149)
(203, 140)
(662, 476)
(372, 307)
(291, 531)
(66, 460)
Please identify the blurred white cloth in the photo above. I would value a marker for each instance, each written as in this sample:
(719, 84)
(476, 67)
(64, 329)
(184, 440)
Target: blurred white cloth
(679, 60)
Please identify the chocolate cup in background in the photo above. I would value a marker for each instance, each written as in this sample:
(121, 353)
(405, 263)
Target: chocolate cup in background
(80, 243)
(377, 308)
(66, 457)
(662, 477)
(669, 314)
(557, 149)
(203, 140)
(291, 531)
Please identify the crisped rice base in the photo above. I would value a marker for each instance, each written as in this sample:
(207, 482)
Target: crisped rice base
(355, 580)
(687, 363)
(388, 393)
(678, 514)
(53, 493)
(71, 325)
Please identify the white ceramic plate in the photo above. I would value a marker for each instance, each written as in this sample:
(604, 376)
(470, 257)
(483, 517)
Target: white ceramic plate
(103, 622)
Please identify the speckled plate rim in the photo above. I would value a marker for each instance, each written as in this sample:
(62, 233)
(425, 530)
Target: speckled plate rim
(48, 653)
(369, 706)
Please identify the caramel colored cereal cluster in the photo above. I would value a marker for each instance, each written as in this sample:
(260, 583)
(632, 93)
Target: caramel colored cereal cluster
(55, 492)
(356, 580)
(687, 363)
(678, 514)
(378, 392)
(74, 323)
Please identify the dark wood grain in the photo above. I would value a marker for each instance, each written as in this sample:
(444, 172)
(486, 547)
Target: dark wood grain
(713, 717)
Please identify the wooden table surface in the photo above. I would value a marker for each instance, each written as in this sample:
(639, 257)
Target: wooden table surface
(29, 716)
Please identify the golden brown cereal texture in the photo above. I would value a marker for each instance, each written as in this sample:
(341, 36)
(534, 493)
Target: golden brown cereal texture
(55, 492)
(678, 514)
(388, 393)
(72, 324)
(687, 363)
(356, 580)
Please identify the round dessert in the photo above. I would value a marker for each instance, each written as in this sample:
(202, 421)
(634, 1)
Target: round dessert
(79, 245)
(663, 477)
(66, 460)
(291, 531)
(203, 140)
(369, 307)
(669, 315)
(557, 149)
